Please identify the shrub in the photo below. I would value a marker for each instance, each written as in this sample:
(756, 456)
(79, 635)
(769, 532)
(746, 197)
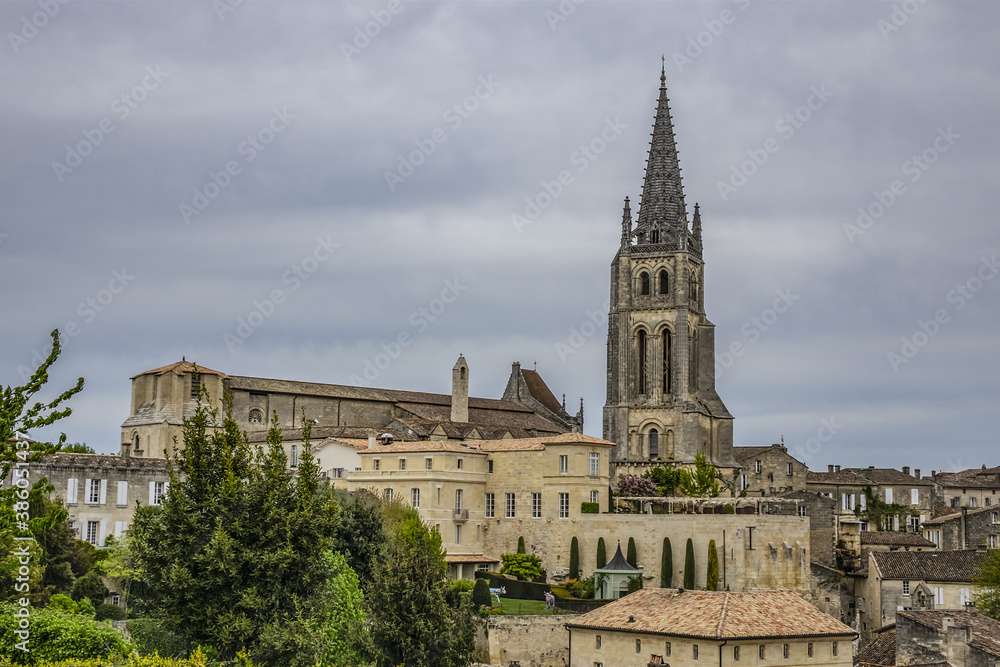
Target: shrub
(574, 559)
(590, 508)
(63, 603)
(520, 545)
(634, 584)
(689, 565)
(630, 556)
(87, 607)
(481, 594)
(712, 577)
(666, 565)
(602, 554)
(90, 586)
(109, 612)
(523, 566)
(152, 638)
(729, 509)
(57, 635)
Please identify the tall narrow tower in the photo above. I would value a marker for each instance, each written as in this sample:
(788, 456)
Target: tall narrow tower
(661, 402)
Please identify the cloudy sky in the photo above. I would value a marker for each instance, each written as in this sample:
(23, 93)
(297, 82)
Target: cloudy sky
(288, 189)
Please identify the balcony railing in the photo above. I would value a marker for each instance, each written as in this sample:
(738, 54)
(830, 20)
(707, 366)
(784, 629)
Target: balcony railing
(461, 515)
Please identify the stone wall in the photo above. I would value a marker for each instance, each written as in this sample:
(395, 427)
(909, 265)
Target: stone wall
(534, 641)
(755, 551)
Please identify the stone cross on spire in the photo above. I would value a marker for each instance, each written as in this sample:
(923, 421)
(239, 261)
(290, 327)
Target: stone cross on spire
(662, 204)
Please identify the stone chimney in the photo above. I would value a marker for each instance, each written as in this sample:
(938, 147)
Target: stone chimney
(916, 473)
(906, 470)
(836, 468)
(460, 391)
(829, 467)
(371, 440)
(126, 449)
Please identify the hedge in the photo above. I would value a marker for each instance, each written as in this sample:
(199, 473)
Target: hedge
(518, 590)
(590, 508)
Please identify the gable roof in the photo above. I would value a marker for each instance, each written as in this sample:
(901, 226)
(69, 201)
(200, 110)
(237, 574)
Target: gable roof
(894, 538)
(954, 516)
(714, 615)
(985, 630)
(880, 652)
(958, 566)
(867, 476)
(540, 391)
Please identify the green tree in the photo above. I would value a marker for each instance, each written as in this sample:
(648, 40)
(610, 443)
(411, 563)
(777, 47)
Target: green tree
(410, 619)
(666, 565)
(574, 559)
(667, 480)
(232, 556)
(602, 553)
(343, 626)
(689, 565)
(630, 554)
(520, 545)
(703, 481)
(712, 576)
(481, 594)
(90, 586)
(526, 567)
(987, 581)
(634, 584)
(360, 533)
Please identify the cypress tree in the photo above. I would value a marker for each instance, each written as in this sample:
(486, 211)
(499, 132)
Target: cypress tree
(689, 565)
(712, 580)
(520, 545)
(630, 555)
(666, 565)
(481, 594)
(574, 559)
(602, 554)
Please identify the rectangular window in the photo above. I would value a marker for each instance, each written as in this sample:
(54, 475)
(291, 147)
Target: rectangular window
(402, 463)
(809, 649)
(92, 531)
(668, 649)
(863, 499)
(888, 495)
(156, 493)
(694, 651)
(760, 652)
(594, 497)
(428, 463)
(802, 510)
(784, 651)
(563, 464)
(833, 648)
(788, 469)
(510, 505)
(378, 464)
(993, 541)
(415, 497)
(460, 463)
(906, 588)
(638, 646)
(914, 496)
(490, 508)
(93, 491)
(489, 466)
(938, 596)
(595, 463)
(563, 505)
(972, 502)
(536, 506)
(458, 533)
(964, 599)
(116, 599)
(736, 654)
(122, 500)
(743, 482)
(388, 495)
(598, 644)
(294, 461)
(458, 499)
(756, 467)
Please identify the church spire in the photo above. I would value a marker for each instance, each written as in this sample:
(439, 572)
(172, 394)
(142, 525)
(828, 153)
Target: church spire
(696, 224)
(662, 194)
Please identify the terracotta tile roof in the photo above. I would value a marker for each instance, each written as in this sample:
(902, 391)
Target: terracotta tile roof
(880, 652)
(928, 565)
(842, 477)
(894, 538)
(938, 520)
(180, 368)
(985, 630)
(424, 446)
(321, 432)
(714, 615)
(522, 444)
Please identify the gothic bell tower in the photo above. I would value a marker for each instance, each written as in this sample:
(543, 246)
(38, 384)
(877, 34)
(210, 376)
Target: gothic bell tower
(661, 400)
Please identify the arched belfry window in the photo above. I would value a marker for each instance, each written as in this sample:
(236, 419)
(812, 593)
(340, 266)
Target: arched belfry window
(654, 444)
(654, 236)
(644, 283)
(667, 342)
(642, 345)
(664, 282)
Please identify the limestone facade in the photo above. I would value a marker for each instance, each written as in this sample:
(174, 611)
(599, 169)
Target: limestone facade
(965, 529)
(769, 471)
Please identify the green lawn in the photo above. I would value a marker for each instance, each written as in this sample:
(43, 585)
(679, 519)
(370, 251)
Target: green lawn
(510, 607)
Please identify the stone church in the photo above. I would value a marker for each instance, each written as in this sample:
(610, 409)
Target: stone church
(661, 399)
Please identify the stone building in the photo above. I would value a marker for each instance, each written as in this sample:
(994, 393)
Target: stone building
(891, 540)
(769, 471)
(162, 397)
(822, 524)
(690, 628)
(955, 638)
(847, 487)
(661, 399)
(913, 580)
(965, 529)
(973, 488)
(101, 491)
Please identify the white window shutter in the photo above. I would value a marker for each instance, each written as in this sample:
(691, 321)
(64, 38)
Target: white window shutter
(120, 527)
(914, 497)
(152, 490)
(86, 492)
(122, 493)
(166, 485)
(71, 490)
(853, 497)
(102, 535)
(104, 492)
(864, 501)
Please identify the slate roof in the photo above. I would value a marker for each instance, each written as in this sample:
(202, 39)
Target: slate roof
(973, 478)
(540, 391)
(180, 368)
(320, 433)
(944, 518)
(865, 476)
(714, 615)
(957, 566)
(743, 453)
(985, 630)
(880, 652)
(619, 563)
(103, 461)
(894, 539)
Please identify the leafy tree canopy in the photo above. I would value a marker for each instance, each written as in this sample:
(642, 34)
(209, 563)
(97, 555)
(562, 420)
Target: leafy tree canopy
(987, 583)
